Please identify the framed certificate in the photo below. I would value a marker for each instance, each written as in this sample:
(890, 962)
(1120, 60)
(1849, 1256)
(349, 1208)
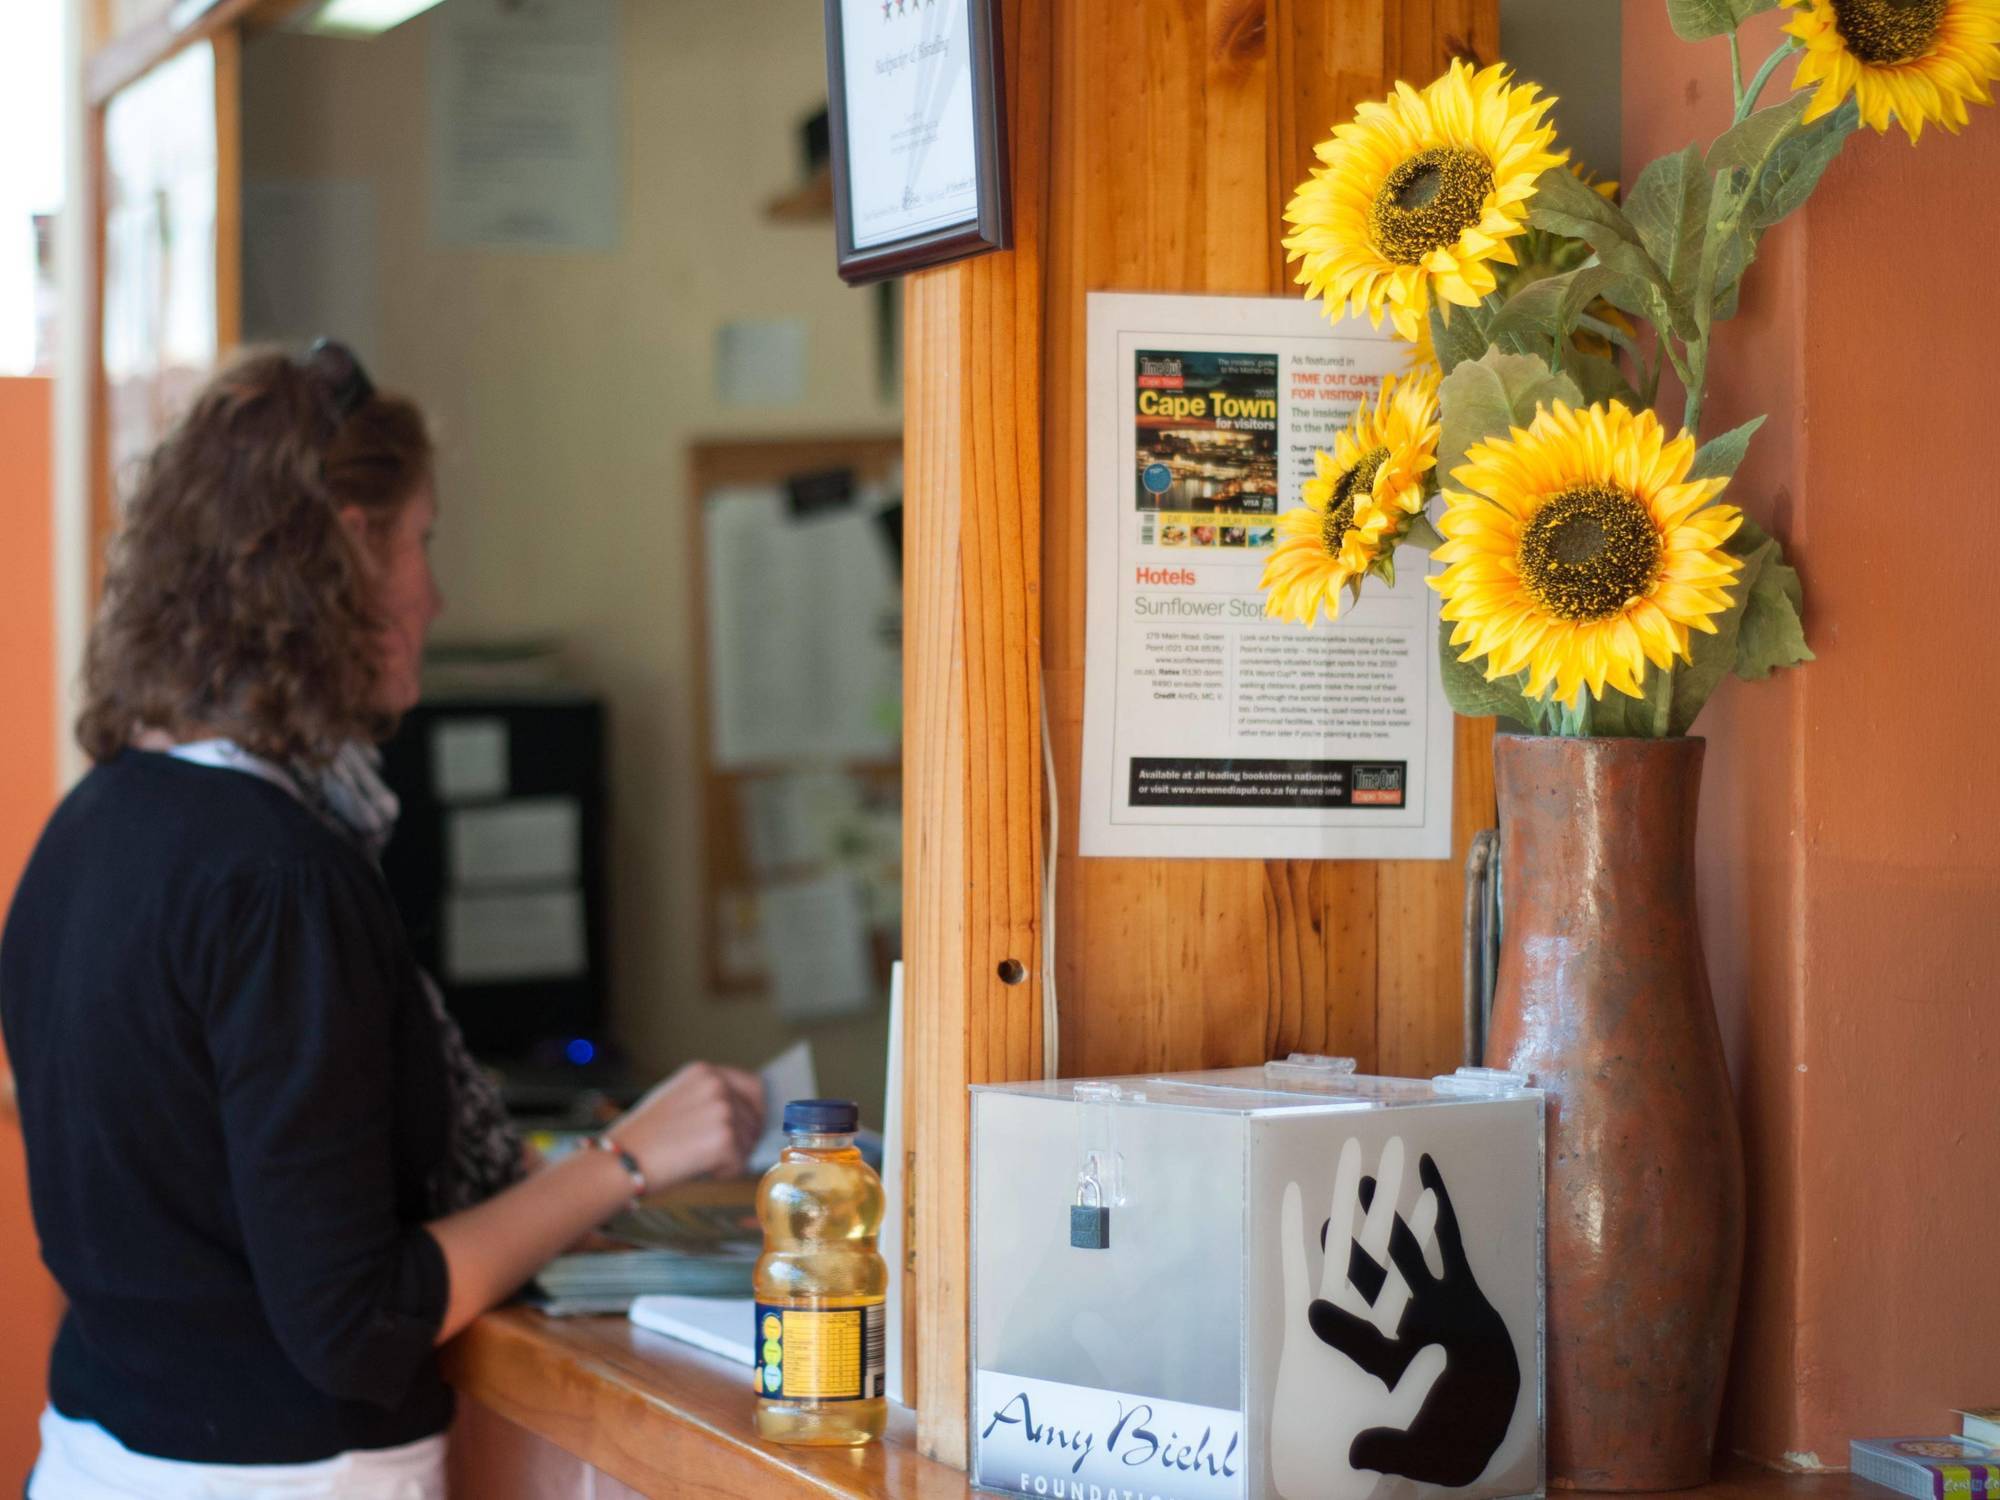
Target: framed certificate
(918, 133)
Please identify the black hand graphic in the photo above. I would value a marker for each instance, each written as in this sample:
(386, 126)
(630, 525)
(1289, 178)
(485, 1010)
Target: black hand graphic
(1466, 1414)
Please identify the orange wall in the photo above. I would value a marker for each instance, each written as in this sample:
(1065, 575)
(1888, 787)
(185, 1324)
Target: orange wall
(28, 1304)
(1850, 866)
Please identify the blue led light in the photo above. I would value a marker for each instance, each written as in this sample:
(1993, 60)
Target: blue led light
(579, 1051)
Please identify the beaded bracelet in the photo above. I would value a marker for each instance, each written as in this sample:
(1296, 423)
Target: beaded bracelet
(625, 1159)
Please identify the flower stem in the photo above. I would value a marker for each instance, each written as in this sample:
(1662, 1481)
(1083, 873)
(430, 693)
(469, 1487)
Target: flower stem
(1736, 73)
(1746, 99)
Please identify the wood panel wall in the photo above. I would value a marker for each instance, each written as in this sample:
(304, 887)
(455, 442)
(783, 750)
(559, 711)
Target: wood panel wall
(1180, 132)
(1153, 146)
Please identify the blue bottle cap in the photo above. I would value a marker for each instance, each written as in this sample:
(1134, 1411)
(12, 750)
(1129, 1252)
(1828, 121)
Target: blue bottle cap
(821, 1117)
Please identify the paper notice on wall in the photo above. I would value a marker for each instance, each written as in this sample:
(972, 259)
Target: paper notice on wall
(761, 362)
(792, 819)
(498, 936)
(816, 941)
(469, 759)
(804, 660)
(529, 841)
(1211, 731)
(524, 123)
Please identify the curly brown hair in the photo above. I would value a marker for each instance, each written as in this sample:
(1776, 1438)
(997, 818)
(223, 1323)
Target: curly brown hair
(234, 601)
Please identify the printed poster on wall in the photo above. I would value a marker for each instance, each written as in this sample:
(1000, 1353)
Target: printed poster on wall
(1211, 731)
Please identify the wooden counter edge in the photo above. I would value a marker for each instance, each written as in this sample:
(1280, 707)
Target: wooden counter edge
(668, 1419)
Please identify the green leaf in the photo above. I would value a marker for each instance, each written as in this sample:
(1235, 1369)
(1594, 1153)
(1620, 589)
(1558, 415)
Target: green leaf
(1659, 303)
(1772, 634)
(1782, 184)
(1547, 308)
(1749, 145)
(1485, 397)
(1456, 341)
(1714, 655)
(1532, 313)
(1697, 20)
(1644, 718)
(1795, 167)
(1563, 204)
(1668, 205)
(1599, 379)
(1469, 693)
(1422, 534)
(1719, 457)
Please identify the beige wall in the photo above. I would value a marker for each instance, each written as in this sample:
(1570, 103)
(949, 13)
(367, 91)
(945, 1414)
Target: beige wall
(567, 387)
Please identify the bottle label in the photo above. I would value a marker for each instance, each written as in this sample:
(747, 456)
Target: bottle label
(819, 1354)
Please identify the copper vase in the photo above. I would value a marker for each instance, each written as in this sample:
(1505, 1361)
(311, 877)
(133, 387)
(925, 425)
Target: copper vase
(1603, 998)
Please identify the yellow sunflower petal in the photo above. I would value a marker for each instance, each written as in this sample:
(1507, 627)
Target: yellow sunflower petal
(1417, 193)
(1912, 63)
(1357, 505)
(1577, 553)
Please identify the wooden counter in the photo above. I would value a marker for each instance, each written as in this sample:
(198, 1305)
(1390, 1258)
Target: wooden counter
(651, 1412)
(545, 1398)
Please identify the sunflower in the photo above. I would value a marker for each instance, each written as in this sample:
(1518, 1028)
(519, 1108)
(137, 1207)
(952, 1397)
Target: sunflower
(1419, 193)
(1359, 503)
(1539, 254)
(1915, 60)
(1579, 550)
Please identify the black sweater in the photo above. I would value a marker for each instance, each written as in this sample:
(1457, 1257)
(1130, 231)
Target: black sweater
(233, 1095)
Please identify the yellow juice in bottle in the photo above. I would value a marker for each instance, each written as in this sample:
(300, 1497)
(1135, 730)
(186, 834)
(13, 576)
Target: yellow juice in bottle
(820, 1285)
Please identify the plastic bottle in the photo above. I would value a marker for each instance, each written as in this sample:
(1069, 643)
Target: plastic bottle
(820, 1284)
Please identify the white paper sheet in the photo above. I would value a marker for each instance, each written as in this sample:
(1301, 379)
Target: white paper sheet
(803, 662)
(529, 841)
(761, 362)
(798, 818)
(722, 1325)
(788, 1076)
(524, 100)
(1209, 730)
(890, 1240)
(816, 939)
(913, 163)
(469, 759)
(501, 936)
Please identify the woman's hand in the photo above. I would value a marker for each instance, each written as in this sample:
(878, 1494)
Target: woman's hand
(704, 1119)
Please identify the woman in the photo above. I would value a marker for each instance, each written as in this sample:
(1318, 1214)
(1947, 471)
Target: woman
(250, 1152)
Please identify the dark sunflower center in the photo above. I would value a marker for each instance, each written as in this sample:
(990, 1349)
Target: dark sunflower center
(1428, 200)
(1888, 31)
(1356, 481)
(1587, 551)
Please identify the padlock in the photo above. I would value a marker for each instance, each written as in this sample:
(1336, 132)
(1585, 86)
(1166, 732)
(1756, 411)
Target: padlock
(1089, 1223)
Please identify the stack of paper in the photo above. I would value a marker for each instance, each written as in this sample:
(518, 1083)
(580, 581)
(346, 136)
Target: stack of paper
(607, 1281)
(1929, 1468)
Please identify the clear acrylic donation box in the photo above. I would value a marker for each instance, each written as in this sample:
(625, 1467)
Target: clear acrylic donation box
(1286, 1281)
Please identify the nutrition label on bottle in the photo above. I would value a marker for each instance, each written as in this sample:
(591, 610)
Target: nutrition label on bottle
(830, 1354)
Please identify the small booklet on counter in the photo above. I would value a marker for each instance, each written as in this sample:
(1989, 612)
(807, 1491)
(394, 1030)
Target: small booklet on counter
(703, 1248)
(1929, 1468)
(1980, 1423)
(722, 1325)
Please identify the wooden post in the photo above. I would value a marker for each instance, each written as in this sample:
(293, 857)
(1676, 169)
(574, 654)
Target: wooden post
(1153, 147)
(972, 787)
